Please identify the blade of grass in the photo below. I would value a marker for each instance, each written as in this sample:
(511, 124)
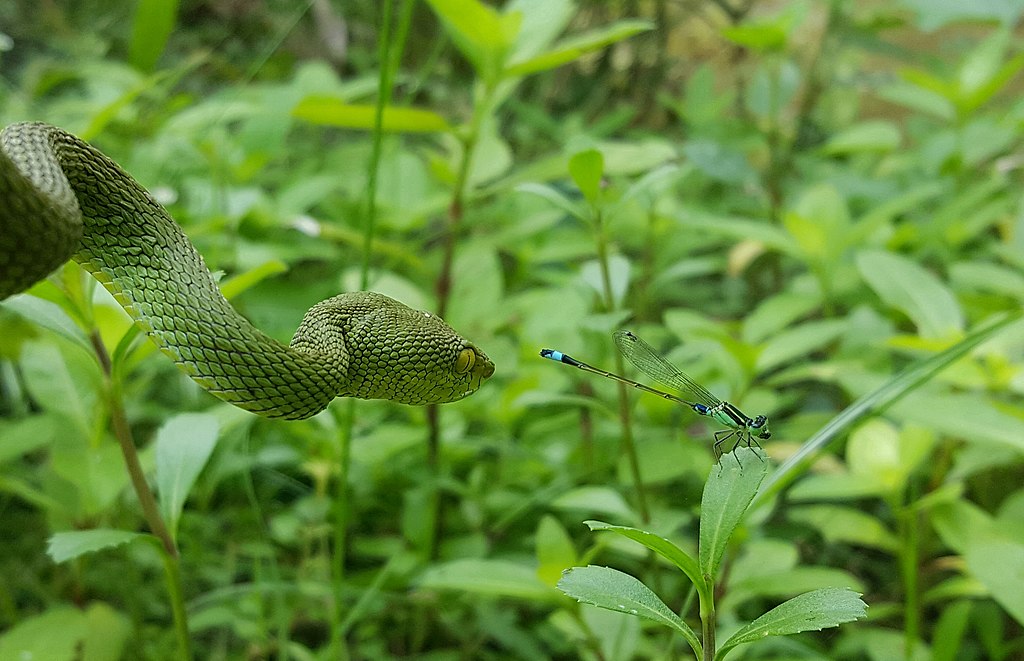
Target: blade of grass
(875, 402)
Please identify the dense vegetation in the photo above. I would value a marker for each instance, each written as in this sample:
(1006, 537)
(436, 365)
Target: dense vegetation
(813, 208)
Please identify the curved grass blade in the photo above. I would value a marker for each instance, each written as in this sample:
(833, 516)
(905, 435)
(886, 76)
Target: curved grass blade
(876, 402)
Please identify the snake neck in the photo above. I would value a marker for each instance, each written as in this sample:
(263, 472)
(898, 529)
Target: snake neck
(132, 246)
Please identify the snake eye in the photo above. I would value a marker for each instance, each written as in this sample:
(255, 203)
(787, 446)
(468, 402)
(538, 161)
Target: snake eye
(465, 361)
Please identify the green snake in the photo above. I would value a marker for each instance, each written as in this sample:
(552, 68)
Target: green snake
(62, 199)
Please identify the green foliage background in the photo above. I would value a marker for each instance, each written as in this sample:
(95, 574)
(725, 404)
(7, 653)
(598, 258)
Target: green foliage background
(797, 201)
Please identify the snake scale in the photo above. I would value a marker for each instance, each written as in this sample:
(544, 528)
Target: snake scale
(62, 199)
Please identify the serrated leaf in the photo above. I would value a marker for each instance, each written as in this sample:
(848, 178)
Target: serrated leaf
(812, 611)
(64, 546)
(183, 446)
(609, 588)
(659, 545)
(729, 489)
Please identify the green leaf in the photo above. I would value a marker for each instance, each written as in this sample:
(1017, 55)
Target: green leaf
(595, 499)
(877, 453)
(107, 633)
(64, 546)
(870, 136)
(919, 98)
(94, 633)
(982, 63)
(785, 583)
(577, 46)
(949, 631)
(481, 34)
(911, 289)
(992, 554)
(799, 340)
(617, 633)
(246, 280)
(50, 316)
(819, 222)
(609, 588)
(153, 24)
(554, 196)
(934, 14)
(587, 168)
(736, 227)
(839, 524)
(729, 489)
(65, 383)
(659, 545)
(334, 112)
(183, 446)
(768, 33)
(876, 401)
(813, 611)
(23, 435)
(555, 550)
(53, 635)
(496, 578)
(542, 22)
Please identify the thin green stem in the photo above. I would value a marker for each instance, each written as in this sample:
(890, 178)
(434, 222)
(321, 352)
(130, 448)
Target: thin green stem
(443, 290)
(345, 415)
(628, 445)
(707, 620)
(150, 510)
(389, 55)
(172, 577)
(908, 559)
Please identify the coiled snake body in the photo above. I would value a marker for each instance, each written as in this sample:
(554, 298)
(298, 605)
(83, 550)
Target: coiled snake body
(60, 198)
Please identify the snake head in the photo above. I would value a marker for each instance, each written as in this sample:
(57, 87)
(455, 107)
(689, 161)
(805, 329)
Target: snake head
(375, 347)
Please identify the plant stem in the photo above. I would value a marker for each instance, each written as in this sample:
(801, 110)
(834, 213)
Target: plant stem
(172, 576)
(628, 446)
(707, 620)
(345, 419)
(908, 555)
(150, 510)
(389, 54)
(443, 290)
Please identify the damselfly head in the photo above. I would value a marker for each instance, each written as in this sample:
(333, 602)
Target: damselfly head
(761, 422)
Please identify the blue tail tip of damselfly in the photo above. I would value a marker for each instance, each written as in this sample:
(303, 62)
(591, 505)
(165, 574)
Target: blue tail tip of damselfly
(559, 357)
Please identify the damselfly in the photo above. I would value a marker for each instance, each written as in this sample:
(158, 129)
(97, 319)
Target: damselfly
(648, 361)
